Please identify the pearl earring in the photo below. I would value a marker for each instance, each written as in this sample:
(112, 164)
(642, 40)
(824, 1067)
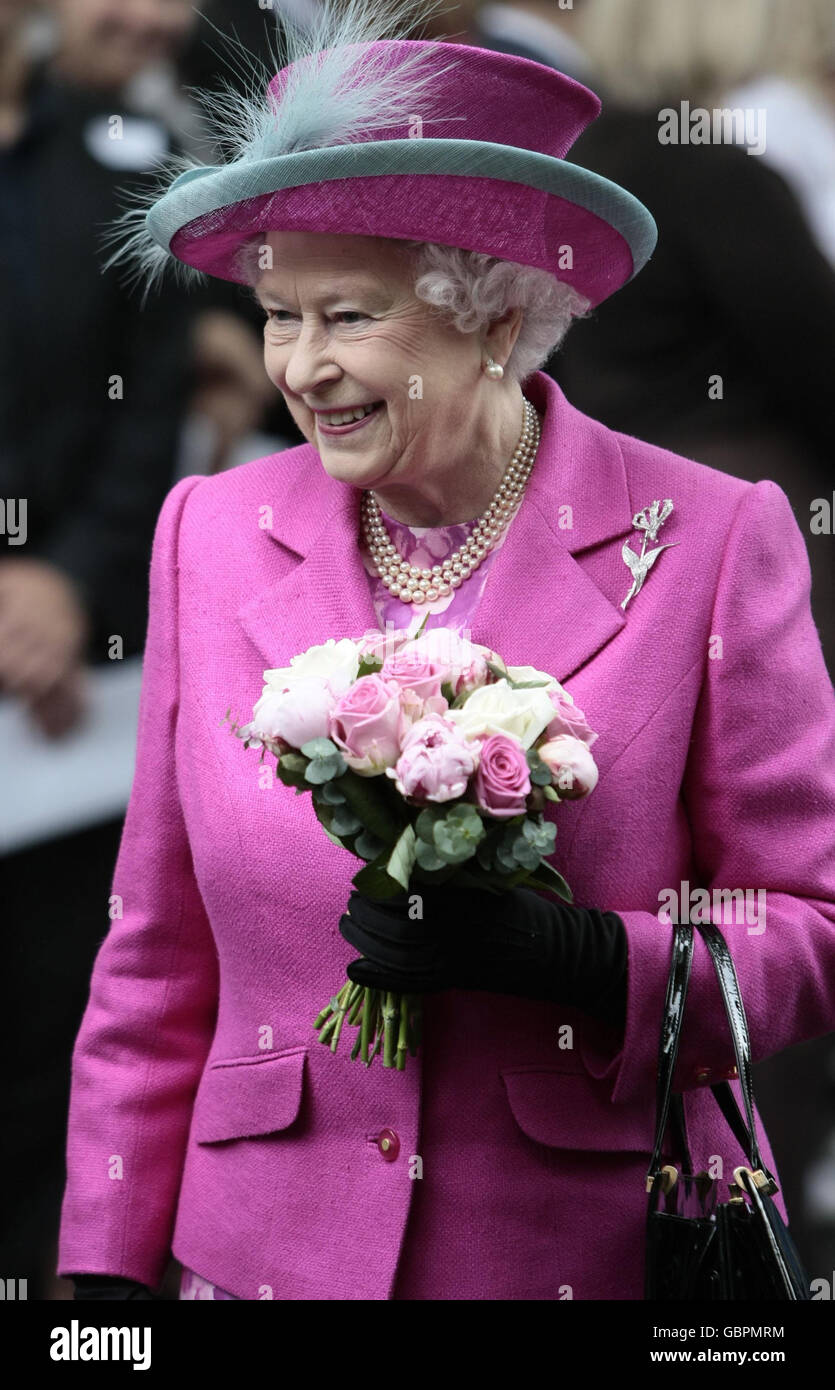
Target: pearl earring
(494, 370)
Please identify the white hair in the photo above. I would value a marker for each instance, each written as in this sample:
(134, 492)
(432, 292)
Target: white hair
(471, 290)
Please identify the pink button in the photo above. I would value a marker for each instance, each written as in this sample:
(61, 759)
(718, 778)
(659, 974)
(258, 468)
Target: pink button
(389, 1144)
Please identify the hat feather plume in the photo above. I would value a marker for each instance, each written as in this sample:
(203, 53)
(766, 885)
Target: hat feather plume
(328, 99)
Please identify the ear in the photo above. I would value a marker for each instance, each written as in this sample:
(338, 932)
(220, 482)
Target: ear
(501, 336)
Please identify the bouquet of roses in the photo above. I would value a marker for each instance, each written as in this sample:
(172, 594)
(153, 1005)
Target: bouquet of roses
(430, 759)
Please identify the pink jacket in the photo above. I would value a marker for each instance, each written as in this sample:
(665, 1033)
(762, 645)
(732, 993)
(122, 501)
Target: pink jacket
(205, 1115)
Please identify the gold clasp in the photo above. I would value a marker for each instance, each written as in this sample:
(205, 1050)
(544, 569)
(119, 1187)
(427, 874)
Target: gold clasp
(758, 1178)
(669, 1178)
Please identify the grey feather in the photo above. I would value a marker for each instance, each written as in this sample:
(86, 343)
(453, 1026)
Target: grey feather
(326, 101)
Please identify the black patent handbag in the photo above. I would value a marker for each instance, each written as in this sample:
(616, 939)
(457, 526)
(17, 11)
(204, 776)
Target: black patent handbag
(699, 1246)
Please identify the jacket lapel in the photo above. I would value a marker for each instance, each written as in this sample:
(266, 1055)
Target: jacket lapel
(327, 595)
(540, 607)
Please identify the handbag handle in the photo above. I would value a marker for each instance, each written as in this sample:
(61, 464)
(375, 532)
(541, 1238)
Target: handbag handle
(678, 982)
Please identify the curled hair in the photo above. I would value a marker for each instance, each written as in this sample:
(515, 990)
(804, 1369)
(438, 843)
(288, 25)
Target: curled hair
(471, 290)
(475, 289)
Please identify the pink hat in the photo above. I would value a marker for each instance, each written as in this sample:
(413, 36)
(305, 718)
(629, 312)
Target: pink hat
(400, 138)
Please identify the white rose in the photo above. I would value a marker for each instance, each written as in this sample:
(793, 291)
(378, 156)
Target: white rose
(496, 709)
(530, 673)
(335, 662)
(298, 714)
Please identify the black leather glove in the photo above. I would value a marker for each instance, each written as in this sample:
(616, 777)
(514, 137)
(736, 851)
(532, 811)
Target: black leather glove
(98, 1286)
(516, 943)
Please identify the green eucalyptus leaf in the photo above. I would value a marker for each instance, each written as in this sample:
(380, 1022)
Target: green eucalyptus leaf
(452, 846)
(367, 846)
(427, 857)
(426, 822)
(371, 801)
(527, 856)
(319, 748)
(539, 773)
(505, 858)
(551, 794)
(344, 822)
(290, 769)
(329, 793)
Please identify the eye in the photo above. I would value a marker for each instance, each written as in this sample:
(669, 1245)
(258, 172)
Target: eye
(273, 315)
(350, 314)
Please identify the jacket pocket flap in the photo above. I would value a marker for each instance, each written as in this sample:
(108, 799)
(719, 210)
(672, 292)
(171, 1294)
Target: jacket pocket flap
(242, 1097)
(572, 1110)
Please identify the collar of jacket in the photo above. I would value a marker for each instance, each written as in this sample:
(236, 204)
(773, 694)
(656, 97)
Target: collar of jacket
(540, 606)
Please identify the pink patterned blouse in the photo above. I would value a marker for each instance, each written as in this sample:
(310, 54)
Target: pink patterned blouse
(426, 546)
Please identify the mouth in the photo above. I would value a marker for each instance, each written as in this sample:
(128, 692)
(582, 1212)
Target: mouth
(336, 422)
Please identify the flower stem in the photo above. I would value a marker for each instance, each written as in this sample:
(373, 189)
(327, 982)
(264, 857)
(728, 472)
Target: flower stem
(389, 1015)
(335, 1005)
(330, 1008)
(365, 1029)
(357, 1005)
(349, 996)
(403, 1032)
(376, 1047)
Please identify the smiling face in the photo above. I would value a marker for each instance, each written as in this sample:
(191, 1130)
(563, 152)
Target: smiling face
(344, 329)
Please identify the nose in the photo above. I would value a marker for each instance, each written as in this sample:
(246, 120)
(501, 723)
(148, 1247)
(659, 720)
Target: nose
(309, 363)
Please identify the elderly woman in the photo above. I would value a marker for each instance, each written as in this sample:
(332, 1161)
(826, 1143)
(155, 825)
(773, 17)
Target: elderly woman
(411, 287)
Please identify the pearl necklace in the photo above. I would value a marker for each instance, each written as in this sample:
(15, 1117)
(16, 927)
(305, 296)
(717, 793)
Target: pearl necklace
(412, 584)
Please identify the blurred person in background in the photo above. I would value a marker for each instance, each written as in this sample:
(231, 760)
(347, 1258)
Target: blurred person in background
(93, 391)
(544, 30)
(721, 351)
(797, 88)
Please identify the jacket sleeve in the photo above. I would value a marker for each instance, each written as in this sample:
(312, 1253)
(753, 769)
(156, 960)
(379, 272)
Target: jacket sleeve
(150, 1018)
(759, 793)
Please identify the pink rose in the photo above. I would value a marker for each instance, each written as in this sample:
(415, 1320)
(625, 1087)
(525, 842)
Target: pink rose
(436, 763)
(365, 723)
(295, 715)
(572, 766)
(462, 662)
(412, 669)
(502, 781)
(568, 719)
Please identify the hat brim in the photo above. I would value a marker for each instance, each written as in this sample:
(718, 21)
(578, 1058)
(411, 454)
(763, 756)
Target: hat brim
(513, 203)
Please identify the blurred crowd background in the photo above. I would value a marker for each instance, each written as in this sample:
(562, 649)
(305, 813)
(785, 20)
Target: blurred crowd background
(722, 349)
